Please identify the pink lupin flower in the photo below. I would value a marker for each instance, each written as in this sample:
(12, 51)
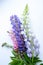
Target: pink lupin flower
(13, 37)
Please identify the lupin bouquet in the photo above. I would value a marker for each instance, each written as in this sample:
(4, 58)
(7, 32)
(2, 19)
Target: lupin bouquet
(25, 47)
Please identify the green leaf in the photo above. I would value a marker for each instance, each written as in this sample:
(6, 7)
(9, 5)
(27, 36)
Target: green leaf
(14, 53)
(16, 62)
(12, 58)
(27, 59)
(21, 63)
(36, 60)
(41, 64)
(6, 45)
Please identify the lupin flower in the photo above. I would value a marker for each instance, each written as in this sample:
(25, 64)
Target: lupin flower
(16, 26)
(16, 23)
(13, 37)
(24, 43)
(32, 47)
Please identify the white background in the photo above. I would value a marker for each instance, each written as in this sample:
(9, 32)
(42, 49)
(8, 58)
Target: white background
(11, 7)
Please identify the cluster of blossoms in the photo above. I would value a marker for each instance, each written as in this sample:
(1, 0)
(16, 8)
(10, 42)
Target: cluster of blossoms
(29, 46)
(33, 47)
(16, 36)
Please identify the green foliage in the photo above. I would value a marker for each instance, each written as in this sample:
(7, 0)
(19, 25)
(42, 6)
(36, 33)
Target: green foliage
(29, 60)
(16, 59)
(41, 64)
(6, 45)
(36, 59)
